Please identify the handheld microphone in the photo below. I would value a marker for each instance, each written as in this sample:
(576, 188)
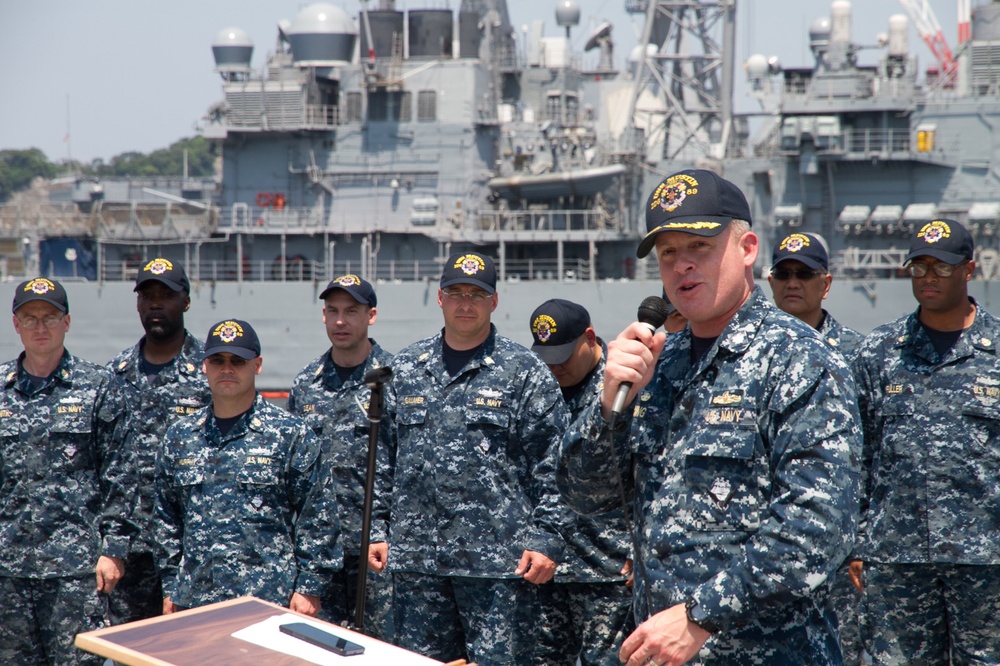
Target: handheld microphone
(378, 376)
(653, 312)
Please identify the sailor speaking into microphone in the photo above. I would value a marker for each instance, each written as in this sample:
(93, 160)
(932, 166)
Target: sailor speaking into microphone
(737, 447)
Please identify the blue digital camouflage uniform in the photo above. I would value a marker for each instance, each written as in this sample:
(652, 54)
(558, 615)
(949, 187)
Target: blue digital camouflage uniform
(251, 512)
(839, 337)
(150, 407)
(66, 489)
(586, 605)
(844, 596)
(745, 485)
(473, 487)
(930, 501)
(337, 411)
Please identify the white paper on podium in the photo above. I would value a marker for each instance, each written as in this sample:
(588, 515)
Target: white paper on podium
(266, 634)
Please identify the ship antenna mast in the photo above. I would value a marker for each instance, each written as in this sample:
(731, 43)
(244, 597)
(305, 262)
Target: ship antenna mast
(686, 61)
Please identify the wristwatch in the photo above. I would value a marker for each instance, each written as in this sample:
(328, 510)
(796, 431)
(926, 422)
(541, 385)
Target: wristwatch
(696, 615)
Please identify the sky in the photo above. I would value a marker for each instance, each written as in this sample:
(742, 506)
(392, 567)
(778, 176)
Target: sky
(113, 76)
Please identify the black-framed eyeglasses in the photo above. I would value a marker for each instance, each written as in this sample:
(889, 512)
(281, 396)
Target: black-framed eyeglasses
(919, 269)
(30, 323)
(479, 296)
(802, 275)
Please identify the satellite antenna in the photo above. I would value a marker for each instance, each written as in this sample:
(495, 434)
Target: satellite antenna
(602, 38)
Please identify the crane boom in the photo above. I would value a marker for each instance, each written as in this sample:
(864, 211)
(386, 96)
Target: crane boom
(929, 30)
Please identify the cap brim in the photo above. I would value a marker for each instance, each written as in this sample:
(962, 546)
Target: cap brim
(808, 261)
(554, 354)
(940, 255)
(699, 225)
(477, 283)
(330, 290)
(176, 286)
(242, 352)
(57, 305)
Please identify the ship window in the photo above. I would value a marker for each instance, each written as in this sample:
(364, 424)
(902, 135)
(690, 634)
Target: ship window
(353, 106)
(378, 105)
(406, 107)
(426, 106)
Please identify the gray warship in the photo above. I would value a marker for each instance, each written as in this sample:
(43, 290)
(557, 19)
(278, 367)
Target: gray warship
(379, 143)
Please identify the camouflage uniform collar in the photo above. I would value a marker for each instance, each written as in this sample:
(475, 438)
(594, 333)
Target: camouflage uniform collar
(483, 358)
(743, 327)
(62, 374)
(983, 334)
(250, 420)
(328, 376)
(187, 362)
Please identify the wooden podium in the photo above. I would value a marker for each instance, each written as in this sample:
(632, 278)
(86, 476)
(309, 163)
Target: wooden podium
(204, 636)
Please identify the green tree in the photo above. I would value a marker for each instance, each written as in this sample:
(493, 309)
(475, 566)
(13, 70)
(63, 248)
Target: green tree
(19, 167)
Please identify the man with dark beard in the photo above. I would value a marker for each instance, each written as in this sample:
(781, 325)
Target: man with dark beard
(161, 381)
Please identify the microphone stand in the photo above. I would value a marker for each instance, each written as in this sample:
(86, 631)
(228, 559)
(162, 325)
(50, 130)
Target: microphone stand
(375, 379)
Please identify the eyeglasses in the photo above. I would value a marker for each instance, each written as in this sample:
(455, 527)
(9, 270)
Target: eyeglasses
(803, 275)
(30, 323)
(219, 361)
(919, 269)
(478, 297)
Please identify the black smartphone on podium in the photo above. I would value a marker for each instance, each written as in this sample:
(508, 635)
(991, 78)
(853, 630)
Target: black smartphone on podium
(323, 639)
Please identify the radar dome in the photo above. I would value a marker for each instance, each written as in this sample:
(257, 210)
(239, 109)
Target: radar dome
(820, 30)
(756, 66)
(321, 35)
(232, 49)
(568, 13)
(819, 36)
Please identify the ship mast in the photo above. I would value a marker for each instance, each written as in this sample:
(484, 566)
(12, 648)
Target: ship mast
(683, 84)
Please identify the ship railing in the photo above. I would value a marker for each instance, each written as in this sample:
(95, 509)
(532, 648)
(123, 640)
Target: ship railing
(278, 115)
(289, 269)
(851, 143)
(322, 115)
(877, 141)
(242, 217)
(300, 269)
(855, 262)
(549, 220)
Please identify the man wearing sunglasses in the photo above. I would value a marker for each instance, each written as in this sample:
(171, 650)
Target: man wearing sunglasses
(800, 281)
(243, 503)
(66, 486)
(927, 553)
(472, 422)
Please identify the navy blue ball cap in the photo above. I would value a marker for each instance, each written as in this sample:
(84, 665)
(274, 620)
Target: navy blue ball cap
(162, 270)
(945, 240)
(556, 325)
(695, 201)
(233, 336)
(470, 268)
(360, 289)
(805, 248)
(41, 289)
